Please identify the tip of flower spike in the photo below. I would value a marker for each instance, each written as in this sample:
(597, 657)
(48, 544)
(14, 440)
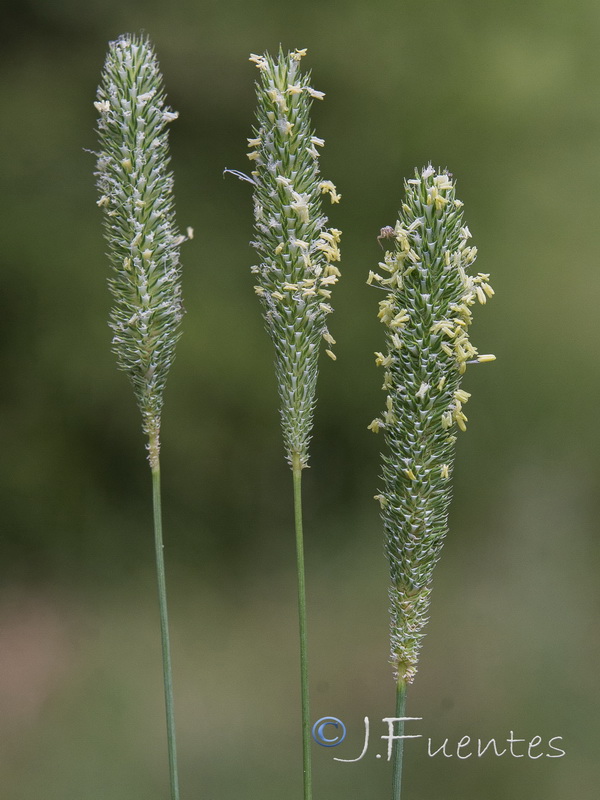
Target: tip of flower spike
(133, 38)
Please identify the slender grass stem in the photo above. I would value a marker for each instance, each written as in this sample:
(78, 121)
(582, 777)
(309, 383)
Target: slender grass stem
(398, 752)
(427, 312)
(295, 273)
(136, 194)
(164, 629)
(297, 474)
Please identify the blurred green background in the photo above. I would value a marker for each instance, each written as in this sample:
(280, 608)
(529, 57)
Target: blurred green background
(506, 96)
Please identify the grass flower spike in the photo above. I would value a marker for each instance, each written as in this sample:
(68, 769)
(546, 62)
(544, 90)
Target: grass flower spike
(427, 311)
(297, 270)
(298, 253)
(136, 196)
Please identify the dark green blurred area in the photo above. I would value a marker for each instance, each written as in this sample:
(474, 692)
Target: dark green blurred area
(506, 96)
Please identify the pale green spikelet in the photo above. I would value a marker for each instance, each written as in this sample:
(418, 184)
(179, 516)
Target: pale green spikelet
(427, 313)
(298, 253)
(136, 195)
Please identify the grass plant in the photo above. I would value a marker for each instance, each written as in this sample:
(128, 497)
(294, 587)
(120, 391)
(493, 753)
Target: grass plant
(296, 272)
(143, 248)
(427, 314)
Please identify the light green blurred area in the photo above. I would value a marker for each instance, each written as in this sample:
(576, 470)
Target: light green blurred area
(506, 96)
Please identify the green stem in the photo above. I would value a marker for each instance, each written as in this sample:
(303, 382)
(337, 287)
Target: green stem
(297, 473)
(164, 625)
(398, 751)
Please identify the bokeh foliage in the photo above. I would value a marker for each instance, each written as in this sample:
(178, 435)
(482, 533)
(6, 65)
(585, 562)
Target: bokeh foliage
(505, 96)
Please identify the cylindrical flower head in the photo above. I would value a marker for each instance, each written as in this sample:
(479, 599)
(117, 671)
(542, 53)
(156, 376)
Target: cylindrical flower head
(136, 196)
(427, 313)
(298, 254)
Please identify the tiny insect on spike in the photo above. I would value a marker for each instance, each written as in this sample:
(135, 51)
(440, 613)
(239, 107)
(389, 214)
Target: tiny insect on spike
(387, 232)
